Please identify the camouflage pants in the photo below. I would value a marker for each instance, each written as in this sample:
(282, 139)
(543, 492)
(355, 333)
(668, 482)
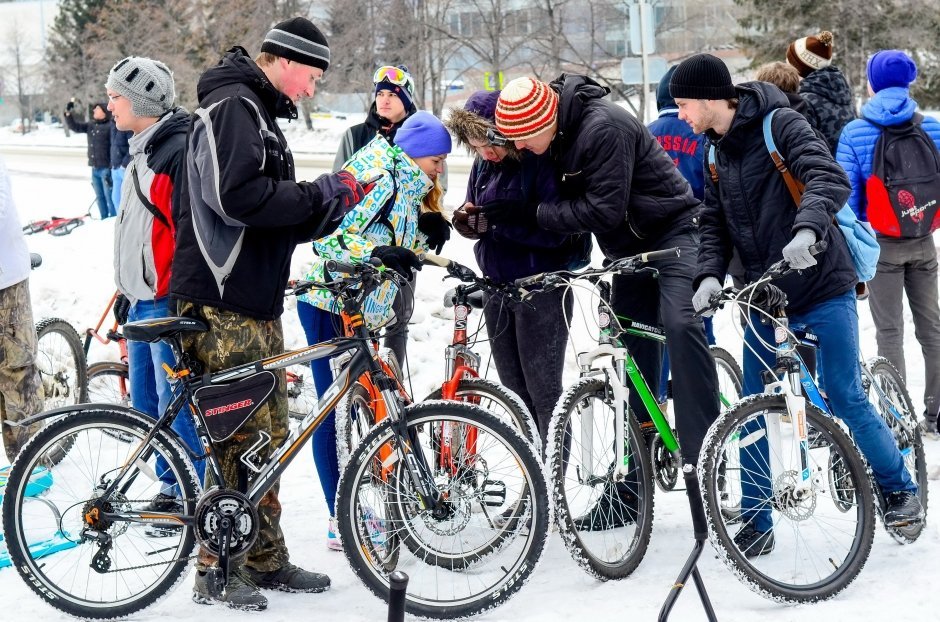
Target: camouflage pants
(21, 393)
(235, 339)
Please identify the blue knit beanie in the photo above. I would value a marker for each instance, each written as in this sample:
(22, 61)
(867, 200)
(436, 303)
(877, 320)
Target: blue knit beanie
(890, 68)
(422, 134)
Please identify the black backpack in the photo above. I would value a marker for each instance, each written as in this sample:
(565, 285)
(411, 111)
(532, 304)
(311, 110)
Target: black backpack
(903, 192)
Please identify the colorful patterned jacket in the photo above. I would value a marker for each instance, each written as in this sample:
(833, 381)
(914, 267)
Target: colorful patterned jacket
(400, 188)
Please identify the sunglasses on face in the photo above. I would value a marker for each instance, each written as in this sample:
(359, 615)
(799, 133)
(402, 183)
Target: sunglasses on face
(395, 75)
(495, 138)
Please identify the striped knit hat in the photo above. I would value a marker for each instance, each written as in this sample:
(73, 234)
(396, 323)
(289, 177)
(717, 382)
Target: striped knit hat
(297, 39)
(526, 107)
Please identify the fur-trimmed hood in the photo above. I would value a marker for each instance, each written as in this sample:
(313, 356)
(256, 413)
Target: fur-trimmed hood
(473, 120)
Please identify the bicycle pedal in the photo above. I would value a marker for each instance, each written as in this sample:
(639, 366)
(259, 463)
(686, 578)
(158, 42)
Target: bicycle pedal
(493, 493)
(215, 582)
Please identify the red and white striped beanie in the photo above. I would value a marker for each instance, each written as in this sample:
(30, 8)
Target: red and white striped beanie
(525, 108)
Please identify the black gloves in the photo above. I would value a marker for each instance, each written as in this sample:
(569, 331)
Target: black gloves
(436, 228)
(341, 186)
(399, 259)
(511, 212)
(121, 307)
(69, 107)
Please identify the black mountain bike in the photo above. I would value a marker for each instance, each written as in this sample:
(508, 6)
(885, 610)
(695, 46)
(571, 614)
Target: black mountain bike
(99, 502)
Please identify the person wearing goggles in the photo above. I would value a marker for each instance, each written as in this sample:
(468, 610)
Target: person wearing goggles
(393, 102)
(528, 342)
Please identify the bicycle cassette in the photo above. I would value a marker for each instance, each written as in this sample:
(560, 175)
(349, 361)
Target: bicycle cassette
(217, 510)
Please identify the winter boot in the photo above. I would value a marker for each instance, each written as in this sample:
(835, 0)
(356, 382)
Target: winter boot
(289, 578)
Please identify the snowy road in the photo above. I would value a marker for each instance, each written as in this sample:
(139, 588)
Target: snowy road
(75, 283)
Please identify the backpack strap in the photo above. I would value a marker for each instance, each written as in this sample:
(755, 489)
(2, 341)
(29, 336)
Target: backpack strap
(795, 187)
(381, 217)
(145, 201)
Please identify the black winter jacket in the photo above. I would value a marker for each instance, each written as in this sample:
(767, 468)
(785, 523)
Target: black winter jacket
(243, 213)
(359, 135)
(615, 179)
(829, 103)
(751, 211)
(99, 139)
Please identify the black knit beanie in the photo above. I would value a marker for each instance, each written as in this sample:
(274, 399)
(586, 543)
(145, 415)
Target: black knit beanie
(297, 39)
(702, 76)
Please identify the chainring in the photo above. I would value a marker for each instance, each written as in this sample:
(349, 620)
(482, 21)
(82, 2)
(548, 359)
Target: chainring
(219, 505)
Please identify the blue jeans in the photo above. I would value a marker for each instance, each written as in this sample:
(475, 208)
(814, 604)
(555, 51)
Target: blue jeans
(150, 390)
(319, 326)
(101, 182)
(835, 323)
(117, 180)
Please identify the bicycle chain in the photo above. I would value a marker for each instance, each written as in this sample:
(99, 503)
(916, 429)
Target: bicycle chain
(169, 561)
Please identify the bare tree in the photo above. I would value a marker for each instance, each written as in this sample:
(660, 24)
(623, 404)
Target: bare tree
(21, 69)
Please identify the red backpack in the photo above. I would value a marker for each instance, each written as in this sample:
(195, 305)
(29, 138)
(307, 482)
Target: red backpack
(903, 191)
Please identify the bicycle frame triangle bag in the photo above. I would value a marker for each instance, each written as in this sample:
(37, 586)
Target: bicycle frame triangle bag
(226, 408)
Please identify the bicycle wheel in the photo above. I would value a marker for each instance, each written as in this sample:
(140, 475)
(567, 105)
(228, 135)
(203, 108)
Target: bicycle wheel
(355, 416)
(375, 486)
(605, 524)
(86, 562)
(495, 399)
(730, 385)
(894, 405)
(61, 361)
(730, 377)
(108, 383)
(821, 539)
(301, 391)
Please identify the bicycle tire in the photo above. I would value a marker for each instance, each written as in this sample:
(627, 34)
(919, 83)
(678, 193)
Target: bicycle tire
(727, 368)
(909, 441)
(495, 399)
(109, 383)
(584, 545)
(355, 416)
(435, 591)
(149, 568)
(301, 392)
(813, 524)
(61, 363)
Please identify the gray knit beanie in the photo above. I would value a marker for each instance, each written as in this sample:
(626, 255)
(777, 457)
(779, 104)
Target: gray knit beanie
(147, 83)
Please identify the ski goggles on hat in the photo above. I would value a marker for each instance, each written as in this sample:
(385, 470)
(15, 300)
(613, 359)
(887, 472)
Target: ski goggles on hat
(395, 75)
(495, 138)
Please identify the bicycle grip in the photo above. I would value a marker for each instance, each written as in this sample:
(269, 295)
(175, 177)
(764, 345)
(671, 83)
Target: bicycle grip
(529, 281)
(666, 253)
(430, 259)
(333, 265)
(818, 247)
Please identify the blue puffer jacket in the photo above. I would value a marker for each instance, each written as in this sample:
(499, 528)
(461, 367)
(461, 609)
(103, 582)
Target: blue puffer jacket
(890, 106)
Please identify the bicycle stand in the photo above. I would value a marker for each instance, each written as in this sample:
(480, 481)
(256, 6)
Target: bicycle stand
(398, 583)
(700, 531)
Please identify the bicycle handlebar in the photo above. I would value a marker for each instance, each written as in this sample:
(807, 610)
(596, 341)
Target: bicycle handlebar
(625, 265)
(777, 270)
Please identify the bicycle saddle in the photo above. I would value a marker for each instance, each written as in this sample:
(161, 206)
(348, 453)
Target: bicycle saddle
(476, 299)
(160, 328)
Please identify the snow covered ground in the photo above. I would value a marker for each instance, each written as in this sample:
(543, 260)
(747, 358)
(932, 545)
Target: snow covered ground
(75, 282)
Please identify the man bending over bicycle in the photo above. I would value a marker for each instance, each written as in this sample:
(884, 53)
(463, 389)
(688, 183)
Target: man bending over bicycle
(749, 209)
(617, 182)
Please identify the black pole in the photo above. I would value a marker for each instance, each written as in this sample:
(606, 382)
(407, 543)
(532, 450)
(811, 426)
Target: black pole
(397, 583)
(700, 531)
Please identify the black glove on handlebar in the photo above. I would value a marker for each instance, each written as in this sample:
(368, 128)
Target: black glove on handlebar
(398, 259)
(122, 307)
(436, 228)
